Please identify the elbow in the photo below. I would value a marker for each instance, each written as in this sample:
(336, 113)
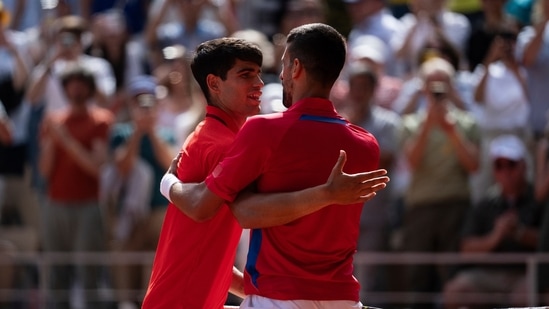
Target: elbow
(202, 217)
(195, 213)
(242, 219)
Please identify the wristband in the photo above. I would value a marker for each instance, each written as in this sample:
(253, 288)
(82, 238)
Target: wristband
(168, 180)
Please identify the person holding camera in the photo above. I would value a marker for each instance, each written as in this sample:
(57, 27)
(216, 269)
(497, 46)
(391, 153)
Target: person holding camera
(502, 102)
(440, 148)
(44, 85)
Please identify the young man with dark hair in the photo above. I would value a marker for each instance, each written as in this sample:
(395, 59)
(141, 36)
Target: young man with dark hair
(292, 262)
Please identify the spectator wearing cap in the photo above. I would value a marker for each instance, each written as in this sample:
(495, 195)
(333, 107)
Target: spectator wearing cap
(371, 50)
(506, 220)
(373, 17)
(73, 145)
(141, 152)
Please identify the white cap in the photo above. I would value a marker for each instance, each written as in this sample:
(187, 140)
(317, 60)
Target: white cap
(507, 147)
(371, 47)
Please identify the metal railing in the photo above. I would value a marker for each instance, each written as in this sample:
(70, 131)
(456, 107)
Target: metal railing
(42, 261)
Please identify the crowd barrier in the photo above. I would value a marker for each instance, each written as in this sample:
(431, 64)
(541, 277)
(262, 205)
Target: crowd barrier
(42, 262)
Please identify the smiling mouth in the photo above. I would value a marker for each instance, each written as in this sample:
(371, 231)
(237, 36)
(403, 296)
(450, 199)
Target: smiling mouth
(255, 97)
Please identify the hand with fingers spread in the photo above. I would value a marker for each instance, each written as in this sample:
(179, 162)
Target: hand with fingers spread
(346, 188)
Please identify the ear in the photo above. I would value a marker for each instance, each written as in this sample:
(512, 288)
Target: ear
(213, 83)
(297, 68)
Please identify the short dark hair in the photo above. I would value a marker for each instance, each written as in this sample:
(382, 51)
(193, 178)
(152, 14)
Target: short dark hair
(78, 72)
(218, 56)
(321, 49)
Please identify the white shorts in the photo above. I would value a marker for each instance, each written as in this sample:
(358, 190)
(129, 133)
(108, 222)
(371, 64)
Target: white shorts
(259, 302)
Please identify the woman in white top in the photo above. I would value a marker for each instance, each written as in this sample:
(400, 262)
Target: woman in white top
(502, 101)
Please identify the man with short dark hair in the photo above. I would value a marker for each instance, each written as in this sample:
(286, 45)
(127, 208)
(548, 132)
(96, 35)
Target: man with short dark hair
(301, 252)
(73, 146)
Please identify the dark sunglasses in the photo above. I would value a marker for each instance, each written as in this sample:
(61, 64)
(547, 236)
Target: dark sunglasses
(505, 164)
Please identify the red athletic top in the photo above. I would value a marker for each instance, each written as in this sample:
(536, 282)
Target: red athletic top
(193, 263)
(68, 181)
(312, 257)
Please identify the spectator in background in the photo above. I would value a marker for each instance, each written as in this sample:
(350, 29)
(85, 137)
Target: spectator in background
(14, 72)
(135, 14)
(428, 20)
(189, 29)
(126, 58)
(295, 13)
(44, 86)
(503, 105)
(533, 53)
(412, 98)
(484, 30)
(385, 125)
(372, 51)
(180, 104)
(440, 144)
(372, 17)
(141, 153)
(506, 220)
(73, 146)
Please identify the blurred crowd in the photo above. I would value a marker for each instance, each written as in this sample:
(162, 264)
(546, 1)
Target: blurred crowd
(97, 98)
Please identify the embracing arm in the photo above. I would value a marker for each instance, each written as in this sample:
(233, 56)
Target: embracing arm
(253, 210)
(264, 210)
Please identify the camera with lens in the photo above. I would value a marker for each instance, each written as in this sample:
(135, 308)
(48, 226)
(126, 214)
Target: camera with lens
(68, 40)
(438, 90)
(146, 100)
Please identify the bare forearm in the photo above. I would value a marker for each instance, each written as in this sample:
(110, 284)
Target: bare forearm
(45, 161)
(237, 284)
(479, 244)
(266, 210)
(480, 89)
(37, 84)
(466, 151)
(126, 155)
(195, 200)
(532, 49)
(86, 159)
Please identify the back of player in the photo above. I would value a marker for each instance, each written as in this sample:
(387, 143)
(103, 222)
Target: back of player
(310, 258)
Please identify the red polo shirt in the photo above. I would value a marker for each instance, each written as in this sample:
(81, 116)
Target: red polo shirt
(312, 257)
(193, 263)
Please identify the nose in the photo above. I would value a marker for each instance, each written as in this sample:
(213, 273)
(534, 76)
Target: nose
(259, 81)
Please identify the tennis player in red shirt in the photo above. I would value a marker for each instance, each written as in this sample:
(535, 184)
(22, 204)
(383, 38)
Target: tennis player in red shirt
(195, 255)
(299, 262)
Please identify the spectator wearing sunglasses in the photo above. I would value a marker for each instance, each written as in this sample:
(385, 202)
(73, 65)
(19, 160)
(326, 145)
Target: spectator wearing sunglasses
(506, 220)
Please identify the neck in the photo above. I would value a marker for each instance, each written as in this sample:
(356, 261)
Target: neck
(79, 108)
